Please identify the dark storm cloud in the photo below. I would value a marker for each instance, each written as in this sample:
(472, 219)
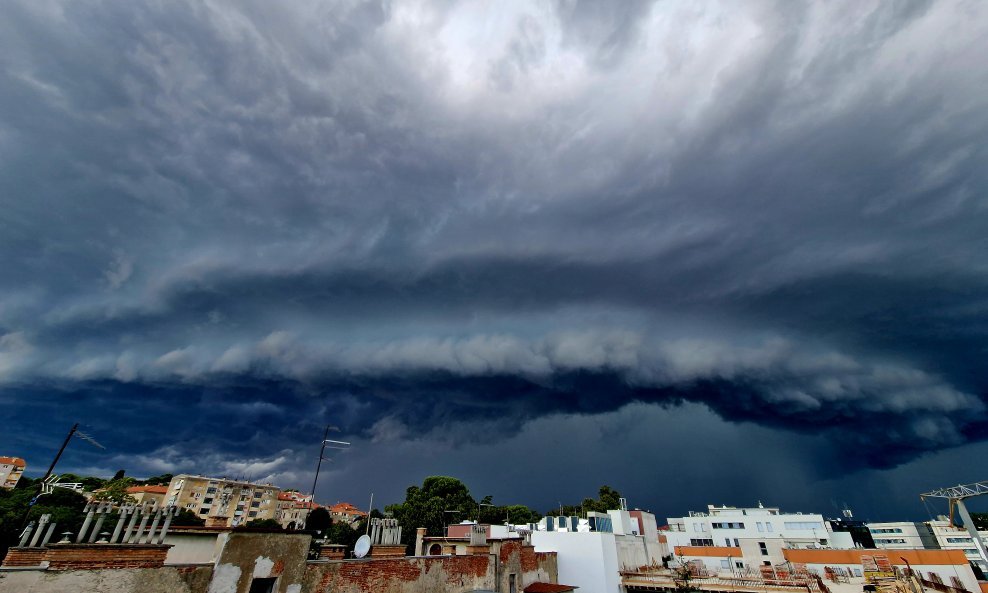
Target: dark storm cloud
(253, 216)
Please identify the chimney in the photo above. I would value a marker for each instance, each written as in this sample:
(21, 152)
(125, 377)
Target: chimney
(420, 541)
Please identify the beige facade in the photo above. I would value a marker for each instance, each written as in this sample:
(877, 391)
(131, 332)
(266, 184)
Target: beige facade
(142, 494)
(223, 501)
(11, 469)
(294, 509)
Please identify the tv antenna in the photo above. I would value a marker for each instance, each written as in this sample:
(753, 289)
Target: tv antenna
(326, 443)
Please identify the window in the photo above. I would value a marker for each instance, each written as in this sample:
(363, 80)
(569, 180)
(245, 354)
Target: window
(884, 530)
(252, 514)
(725, 563)
(761, 526)
(736, 543)
(701, 542)
(763, 548)
(728, 525)
(255, 504)
(210, 490)
(207, 500)
(203, 511)
(262, 585)
(807, 525)
(769, 528)
(512, 584)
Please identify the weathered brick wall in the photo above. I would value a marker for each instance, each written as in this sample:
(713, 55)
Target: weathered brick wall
(247, 556)
(523, 561)
(451, 574)
(24, 556)
(101, 556)
(168, 579)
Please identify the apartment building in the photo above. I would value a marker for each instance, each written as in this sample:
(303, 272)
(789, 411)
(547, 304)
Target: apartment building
(142, 494)
(11, 469)
(221, 501)
(759, 532)
(293, 509)
(903, 535)
(952, 537)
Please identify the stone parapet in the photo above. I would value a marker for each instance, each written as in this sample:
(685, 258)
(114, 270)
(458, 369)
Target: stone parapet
(103, 556)
(25, 556)
(379, 551)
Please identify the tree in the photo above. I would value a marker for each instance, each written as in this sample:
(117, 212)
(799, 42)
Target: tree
(162, 480)
(186, 518)
(116, 491)
(263, 524)
(64, 506)
(440, 501)
(607, 499)
(318, 520)
(118, 476)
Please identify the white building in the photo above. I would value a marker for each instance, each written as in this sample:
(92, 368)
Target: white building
(951, 537)
(903, 535)
(592, 552)
(759, 532)
(11, 469)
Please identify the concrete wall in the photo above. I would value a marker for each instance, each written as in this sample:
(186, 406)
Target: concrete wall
(585, 560)
(169, 579)
(194, 548)
(247, 556)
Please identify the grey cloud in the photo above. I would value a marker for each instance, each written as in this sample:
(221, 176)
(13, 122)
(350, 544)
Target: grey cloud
(775, 210)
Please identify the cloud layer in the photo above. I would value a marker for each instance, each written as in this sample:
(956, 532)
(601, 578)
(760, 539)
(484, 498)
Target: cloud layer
(241, 216)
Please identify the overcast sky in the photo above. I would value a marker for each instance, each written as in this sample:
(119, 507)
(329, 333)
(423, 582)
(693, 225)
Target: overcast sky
(714, 252)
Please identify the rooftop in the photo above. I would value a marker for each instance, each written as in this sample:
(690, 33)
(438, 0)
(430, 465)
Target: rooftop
(13, 461)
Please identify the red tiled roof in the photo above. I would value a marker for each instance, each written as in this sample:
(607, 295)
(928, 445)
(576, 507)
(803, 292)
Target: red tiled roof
(13, 461)
(549, 588)
(148, 489)
(345, 508)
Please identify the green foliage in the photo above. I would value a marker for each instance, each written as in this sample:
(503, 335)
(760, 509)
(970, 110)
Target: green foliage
(318, 520)
(116, 491)
(607, 499)
(64, 506)
(162, 480)
(185, 517)
(118, 476)
(264, 524)
(440, 501)
(89, 483)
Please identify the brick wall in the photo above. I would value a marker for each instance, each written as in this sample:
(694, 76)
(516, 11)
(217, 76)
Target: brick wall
(102, 556)
(401, 575)
(24, 556)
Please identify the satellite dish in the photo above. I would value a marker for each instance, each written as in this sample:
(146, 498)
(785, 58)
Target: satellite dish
(363, 546)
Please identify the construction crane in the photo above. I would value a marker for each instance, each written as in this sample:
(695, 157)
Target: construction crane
(956, 496)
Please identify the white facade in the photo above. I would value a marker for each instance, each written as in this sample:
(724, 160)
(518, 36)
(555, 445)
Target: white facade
(593, 561)
(902, 535)
(950, 537)
(765, 529)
